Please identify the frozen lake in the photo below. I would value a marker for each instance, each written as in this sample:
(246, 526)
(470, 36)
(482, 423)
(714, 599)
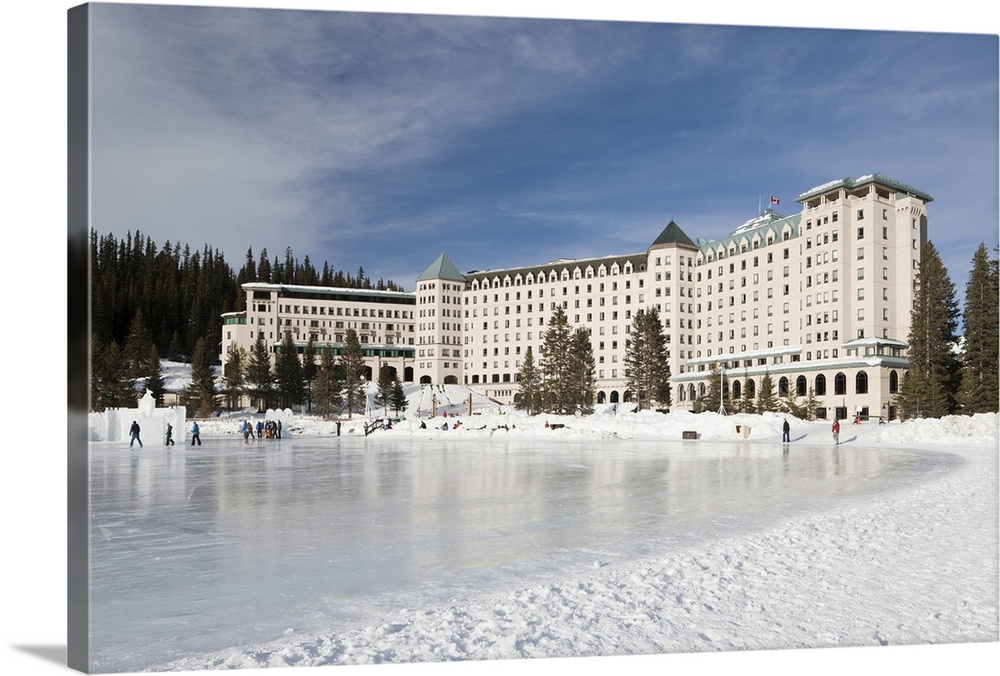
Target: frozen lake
(198, 549)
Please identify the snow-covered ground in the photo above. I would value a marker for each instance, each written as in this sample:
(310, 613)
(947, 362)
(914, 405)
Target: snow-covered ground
(908, 562)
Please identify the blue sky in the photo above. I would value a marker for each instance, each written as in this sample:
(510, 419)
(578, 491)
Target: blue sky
(381, 140)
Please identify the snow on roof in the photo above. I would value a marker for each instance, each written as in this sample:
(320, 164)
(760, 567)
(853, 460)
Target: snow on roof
(849, 182)
(302, 288)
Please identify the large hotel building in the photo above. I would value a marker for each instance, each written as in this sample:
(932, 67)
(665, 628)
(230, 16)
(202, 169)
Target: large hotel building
(819, 300)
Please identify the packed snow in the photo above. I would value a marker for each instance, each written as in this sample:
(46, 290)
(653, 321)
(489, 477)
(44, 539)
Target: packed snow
(912, 561)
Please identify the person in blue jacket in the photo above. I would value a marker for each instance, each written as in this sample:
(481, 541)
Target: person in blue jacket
(195, 434)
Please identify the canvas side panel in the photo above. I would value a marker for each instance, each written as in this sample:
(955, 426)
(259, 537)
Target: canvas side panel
(78, 323)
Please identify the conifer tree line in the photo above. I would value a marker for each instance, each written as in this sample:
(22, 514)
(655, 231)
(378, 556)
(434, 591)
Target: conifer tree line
(945, 376)
(564, 380)
(319, 381)
(150, 300)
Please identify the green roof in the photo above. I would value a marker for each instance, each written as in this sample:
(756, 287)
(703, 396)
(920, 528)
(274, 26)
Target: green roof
(851, 183)
(442, 268)
(673, 234)
(560, 265)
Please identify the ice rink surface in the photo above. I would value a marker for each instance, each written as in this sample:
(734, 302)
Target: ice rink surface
(198, 549)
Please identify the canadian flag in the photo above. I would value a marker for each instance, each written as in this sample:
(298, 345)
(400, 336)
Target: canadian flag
(775, 200)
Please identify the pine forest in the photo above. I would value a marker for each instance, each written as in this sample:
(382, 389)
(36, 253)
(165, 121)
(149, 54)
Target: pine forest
(181, 293)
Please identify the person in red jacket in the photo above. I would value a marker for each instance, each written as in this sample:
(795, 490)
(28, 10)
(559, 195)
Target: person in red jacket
(836, 431)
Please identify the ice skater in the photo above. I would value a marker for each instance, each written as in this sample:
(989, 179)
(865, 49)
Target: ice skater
(785, 432)
(247, 430)
(134, 434)
(195, 434)
(169, 441)
(836, 431)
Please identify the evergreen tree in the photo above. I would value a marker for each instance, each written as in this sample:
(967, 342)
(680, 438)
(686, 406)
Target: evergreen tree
(717, 394)
(288, 373)
(97, 375)
(175, 351)
(248, 273)
(930, 385)
(201, 392)
(154, 375)
(766, 400)
(264, 267)
(790, 405)
(259, 378)
(110, 385)
(352, 363)
(980, 373)
(137, 346)
(812, 405)
(557, 365)
(397, 398)
(329, 385)
(234, 374)
(646, 365)
(309, 369)
(528, 397)
(744, 403)
(582, 372)
(384, 393)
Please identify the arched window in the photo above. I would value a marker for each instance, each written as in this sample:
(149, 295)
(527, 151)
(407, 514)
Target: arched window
(893, 382)
(861, 383)
(680, 393)
(820, 385)
(601, 397)
(800, 386)
(614, 396)
(751, 389)
(840, 384)
(691, 392)
(736, 389)
(701, 391)
(627, 397)
(783, 387)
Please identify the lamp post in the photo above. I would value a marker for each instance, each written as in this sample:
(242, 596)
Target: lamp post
(722, 390)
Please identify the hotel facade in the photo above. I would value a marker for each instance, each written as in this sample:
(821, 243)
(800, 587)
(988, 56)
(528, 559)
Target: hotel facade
(820, 301)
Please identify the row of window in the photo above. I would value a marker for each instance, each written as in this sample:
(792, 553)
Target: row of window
(740, 389)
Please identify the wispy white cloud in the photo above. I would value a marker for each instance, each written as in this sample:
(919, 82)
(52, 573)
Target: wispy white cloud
(342, 135)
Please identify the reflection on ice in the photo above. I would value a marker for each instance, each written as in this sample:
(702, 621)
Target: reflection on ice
(201, 549)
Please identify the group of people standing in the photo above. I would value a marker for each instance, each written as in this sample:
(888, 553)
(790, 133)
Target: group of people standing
(835, 429)
(168, 438)
(265, 429)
